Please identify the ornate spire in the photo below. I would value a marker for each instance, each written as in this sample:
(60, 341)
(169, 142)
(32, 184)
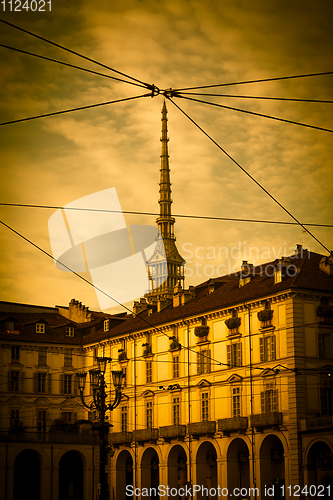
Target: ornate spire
(166, 265)
(165, 222)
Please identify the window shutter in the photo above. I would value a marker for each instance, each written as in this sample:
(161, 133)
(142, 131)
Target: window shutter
(76, 385)
(35, 382)
(198, 363)
(273, 348)
(209, 361)
(49, 383)
(62, 383)
(9, 377)
(22, 381)
(239, 354)
(74, 417)
(320, 345)
(275, 400)
(229, 355)
(262, 400)
(262, 349)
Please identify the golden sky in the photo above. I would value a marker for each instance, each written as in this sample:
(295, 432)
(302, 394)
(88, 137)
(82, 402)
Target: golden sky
(174, 44)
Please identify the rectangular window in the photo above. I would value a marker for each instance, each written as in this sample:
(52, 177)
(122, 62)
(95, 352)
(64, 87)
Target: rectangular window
(41, 421)
(149, 414)
(13, 381)
(95, 355)
(267, 348)
(42, 357)
(204, 407)
(68, 379)
(69, 331)
(326, 396)
(269, 399)
(149, 375)
(203, 361)
(67, 416)
(124, 419)
(10, 325)
(324, 345)
(176, 411)
(236, 402)
(15, 420)
(175, 367)
(106, 325)
(326, 401)
(68, 358)
(41, 382)
(234, 354)
(40, 328)
(15, 353)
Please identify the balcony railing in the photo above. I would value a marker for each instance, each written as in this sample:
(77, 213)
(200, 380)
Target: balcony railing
(196, 428)
(319, 422)
(145, 434)
(49, 437)
(120, 437)
(262, 420)
(234, 424)
(172, 431)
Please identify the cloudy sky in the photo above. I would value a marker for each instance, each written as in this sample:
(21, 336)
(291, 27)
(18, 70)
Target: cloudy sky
(176, 44)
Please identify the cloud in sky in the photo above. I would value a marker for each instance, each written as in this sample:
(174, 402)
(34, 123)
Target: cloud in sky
(55, 160)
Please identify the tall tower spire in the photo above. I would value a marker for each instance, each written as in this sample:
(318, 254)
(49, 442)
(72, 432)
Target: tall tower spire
(166, 265)
(165, 222)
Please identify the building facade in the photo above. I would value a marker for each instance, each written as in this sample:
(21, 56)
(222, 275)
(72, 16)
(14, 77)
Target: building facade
(227, 391)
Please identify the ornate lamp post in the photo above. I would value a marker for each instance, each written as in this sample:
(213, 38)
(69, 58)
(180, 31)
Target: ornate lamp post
(97, 382)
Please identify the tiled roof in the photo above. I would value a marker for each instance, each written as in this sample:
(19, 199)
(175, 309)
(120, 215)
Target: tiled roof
(228, 294)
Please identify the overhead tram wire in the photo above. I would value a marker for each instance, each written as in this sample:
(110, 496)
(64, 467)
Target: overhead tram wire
(71, 65)
(219, 363)
(253, 113)
(289, 99)
(262, 80)
(155, 214)
(146, 85)
(75, 109)
(248, 174)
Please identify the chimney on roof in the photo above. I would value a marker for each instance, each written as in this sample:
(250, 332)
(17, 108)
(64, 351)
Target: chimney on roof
(326, 264)
(76, 312)
(246, 268)
(177, 293)
(138, 307)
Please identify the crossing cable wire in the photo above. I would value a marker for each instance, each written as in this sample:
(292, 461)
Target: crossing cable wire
(257, 81)
(252, 113)
(74, 109)
(132, 212)
(247, 173)
(71, 65)
(147, 85)
(257, 97)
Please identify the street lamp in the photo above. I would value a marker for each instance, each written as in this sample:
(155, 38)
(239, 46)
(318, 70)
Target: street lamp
(97, 382)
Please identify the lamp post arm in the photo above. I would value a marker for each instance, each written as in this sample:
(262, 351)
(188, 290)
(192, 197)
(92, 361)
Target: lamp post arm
(90, 407)
(116, 400)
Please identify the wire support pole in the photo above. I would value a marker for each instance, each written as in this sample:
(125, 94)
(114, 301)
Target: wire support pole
(251, 404)
(97, 382)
